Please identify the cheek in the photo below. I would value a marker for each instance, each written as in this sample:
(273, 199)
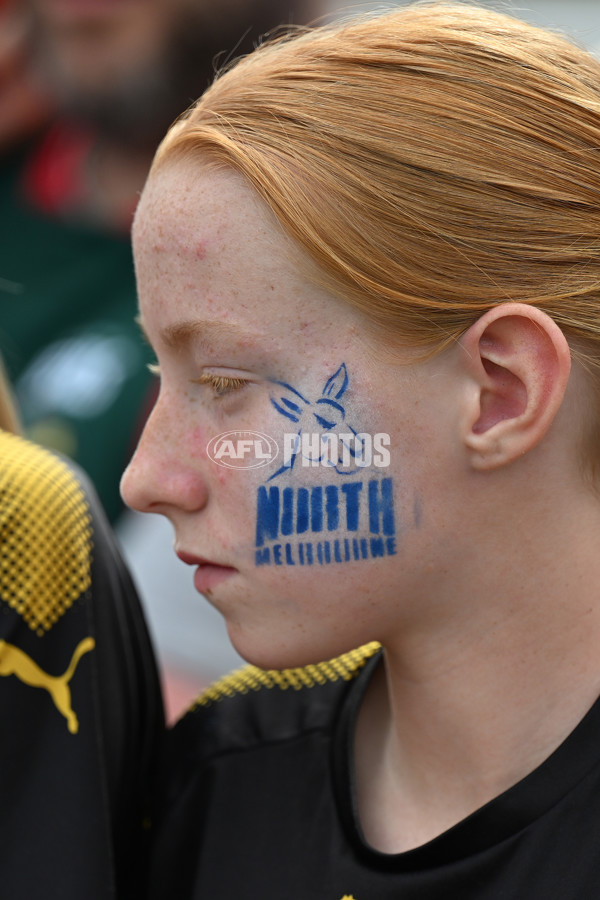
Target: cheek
(199, 438)
(325, 521)
(328, 503)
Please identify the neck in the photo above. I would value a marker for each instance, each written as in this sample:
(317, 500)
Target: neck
(463, 711)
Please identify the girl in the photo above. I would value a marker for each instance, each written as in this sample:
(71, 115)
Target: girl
(368, 261)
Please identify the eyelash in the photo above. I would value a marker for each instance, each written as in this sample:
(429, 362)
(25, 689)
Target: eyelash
(220, 384)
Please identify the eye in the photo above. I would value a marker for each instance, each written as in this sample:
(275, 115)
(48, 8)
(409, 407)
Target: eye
(221, 384)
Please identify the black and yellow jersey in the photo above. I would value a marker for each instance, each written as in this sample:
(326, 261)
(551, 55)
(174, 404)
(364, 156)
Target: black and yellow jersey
(80, 705)
(261, 805)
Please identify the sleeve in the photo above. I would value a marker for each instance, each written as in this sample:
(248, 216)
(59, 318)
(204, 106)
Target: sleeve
(81, 720)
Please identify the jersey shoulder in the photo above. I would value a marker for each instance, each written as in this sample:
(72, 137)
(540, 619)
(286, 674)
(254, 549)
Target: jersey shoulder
(252, 706)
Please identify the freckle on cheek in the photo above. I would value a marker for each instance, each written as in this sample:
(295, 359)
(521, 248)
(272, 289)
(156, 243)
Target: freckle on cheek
(200, 441)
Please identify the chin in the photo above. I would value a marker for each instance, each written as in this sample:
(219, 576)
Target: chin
(276, 652)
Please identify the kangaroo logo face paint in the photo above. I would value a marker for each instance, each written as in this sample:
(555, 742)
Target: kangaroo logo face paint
(337, 443)
(345, 521)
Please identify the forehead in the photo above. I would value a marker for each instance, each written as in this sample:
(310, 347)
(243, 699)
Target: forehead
(185, 203)
(206, 245)
(197, 218)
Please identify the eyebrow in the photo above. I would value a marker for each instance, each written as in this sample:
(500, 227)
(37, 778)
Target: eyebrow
(206, 334)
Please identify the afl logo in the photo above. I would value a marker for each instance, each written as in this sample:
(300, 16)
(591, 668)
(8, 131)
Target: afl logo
(242, 449)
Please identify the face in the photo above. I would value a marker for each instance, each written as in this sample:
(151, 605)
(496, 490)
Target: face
(89, 47)
(95, 42)
(304, 554)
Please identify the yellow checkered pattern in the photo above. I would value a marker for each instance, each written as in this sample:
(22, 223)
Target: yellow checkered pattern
(45, 534)
(251, 678)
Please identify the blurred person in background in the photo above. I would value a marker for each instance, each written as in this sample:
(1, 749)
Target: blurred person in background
(98, 82)
(23, 105)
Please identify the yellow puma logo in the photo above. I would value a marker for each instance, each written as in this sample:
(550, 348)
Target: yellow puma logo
(14, 661)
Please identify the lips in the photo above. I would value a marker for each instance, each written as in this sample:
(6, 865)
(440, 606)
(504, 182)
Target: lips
(208, 574)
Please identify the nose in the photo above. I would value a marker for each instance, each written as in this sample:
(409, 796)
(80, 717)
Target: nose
(161, 477)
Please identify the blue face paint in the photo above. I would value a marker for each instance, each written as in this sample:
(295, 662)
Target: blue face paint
(296, 511)
(381, 507)
(324, 553)
(317, 418)
(332, 507)
(306, 526)
(352, 492)
(287, 522)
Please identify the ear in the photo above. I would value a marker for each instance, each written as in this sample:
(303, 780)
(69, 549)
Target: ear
(519, 362)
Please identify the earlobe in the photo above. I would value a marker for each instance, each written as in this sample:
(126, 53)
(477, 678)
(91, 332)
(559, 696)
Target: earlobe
(520, 360)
